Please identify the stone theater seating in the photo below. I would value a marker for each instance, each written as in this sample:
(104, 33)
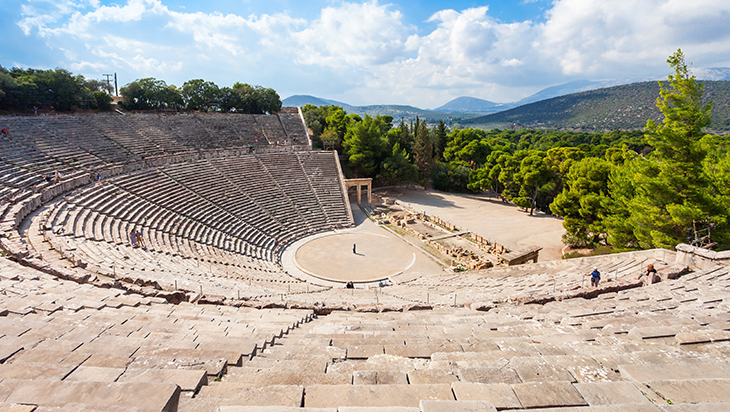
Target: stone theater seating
(204, 319)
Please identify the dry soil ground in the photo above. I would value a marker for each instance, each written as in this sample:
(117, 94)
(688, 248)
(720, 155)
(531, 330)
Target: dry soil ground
(489, 217)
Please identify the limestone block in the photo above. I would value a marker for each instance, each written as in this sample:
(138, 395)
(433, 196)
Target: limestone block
(679, 370)
(194, 356)
(108, 361)
(94, 374)
(487, 356)
(50, 357)
(317, 364)
(267, 378)
(457, 406)
(702, 336)
(477, 345)
(187, 380)
(548, 394)
(275, 395)
(327, 396)
(29, 370)
(142, 396)
(12, 345)
(501, 395)
(379, 378)
(431, 376)
(364, 351)
(583, 368)
(488, 374)
(653, 332)
(610, 393)
(536, 369)
(692, 391)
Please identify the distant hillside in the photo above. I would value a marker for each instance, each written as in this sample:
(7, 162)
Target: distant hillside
(407, 112)
(625, 107)
(467, 104)
(554, 91)
(397, 111)
(301, 100)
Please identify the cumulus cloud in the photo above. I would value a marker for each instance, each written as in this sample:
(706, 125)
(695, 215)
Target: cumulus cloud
(598, 38)
(352, 34)
(368, 51)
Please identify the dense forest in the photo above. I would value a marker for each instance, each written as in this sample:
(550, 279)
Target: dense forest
(60, 90)
(622, 189)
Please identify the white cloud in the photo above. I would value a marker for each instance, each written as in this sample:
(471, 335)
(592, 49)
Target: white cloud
(598, 38)
(352, 34)
(366, 52)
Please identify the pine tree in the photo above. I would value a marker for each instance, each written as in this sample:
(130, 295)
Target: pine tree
(671, 188)
(365, 146)
(423, 149)
(439, 141)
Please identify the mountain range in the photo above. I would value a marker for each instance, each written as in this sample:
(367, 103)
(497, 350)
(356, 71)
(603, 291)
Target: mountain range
(624, 107)
(476, 112)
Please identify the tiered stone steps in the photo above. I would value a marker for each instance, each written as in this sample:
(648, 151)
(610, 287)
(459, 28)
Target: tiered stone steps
(621, 352)
(68, 345)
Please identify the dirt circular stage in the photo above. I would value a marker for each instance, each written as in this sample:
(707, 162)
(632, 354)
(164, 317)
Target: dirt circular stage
(377, 257)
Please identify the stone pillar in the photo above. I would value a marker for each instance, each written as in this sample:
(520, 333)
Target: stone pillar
(359, 193)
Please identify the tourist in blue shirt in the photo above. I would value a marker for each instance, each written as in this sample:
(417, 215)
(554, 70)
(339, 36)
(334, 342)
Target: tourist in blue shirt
(595, 277)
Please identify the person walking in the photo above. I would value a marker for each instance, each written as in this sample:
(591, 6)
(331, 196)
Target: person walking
(354, 248)
(595, 277)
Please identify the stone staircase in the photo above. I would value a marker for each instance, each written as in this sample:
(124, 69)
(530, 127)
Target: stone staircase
(662, 347)
(66, 346)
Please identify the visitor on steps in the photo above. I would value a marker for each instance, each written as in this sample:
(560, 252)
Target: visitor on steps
(133, 238)
(649, 273)
(140, 239)
(6, 132)
(595, 277)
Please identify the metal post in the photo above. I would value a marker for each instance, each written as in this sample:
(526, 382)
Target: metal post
(239, 294)
(175, 284)
(454, 298)
(201, 290)
(428, 298)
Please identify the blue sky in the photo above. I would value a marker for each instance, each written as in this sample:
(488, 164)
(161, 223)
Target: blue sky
(422, 53)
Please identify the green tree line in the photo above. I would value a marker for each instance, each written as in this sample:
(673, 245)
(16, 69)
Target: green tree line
(198, 94)
(625, 189)
(25, 89)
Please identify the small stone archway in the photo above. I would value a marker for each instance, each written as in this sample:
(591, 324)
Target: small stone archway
(359, 183)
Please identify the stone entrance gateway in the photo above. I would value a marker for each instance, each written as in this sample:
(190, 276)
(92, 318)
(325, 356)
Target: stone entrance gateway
(359, 183)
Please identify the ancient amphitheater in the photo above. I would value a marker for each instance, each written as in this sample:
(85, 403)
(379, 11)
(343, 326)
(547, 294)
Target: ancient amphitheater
(211, 314)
